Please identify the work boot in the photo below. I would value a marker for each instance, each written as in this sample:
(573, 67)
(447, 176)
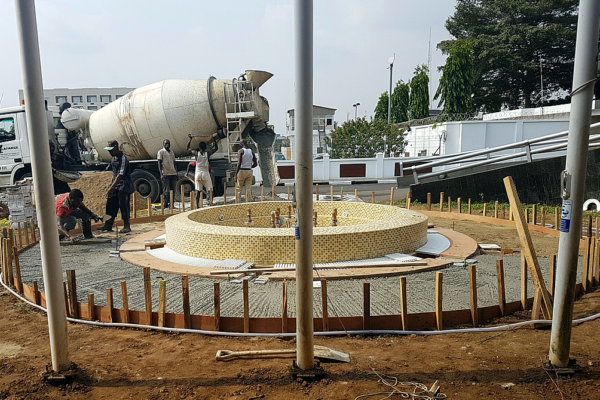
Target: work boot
(87, 230)
(126, 227)
(107, 227)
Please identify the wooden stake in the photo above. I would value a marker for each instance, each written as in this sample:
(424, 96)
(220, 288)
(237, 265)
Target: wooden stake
(36, 293)
(597, 230)
(373, 197)
(171, 199)
(185, 294)
(109, 304)
(34, 236)
(534, 214)
(589, 226)
(523, 282)
(408, 200)
(586, 265)
(392, 196)
(473, 291)
(459, 205)
(149, 206)
(485, 209)
(246, 307)
(366, 306)
(193, 199)
(501, 288)
(19, 284)
(527, 216)
(162, 204)
(591, 263)
(210, 197)
(148, 296)
(469, 206)
(527, 247)
(66, 295)
(72, 284)
(262, 192)
(9, 264)
(20, 235)
(273, 192)
(543, 216)
(26, 229)
(428, 201)
(557, 218)
(449, 204)
(225, 192)
(441, 201)
(91, 307)
(324, 305)
(356, 195)
(597, 264)
(162, 302)
(331, 193)
(535, 310)
(552, 274)
(125, 298)
(217, 302)
(317, 194)
(284, 310)
(496, 210)
(182, 197)
(403, 305)
(289, 197)
(134, 207)
(438, 300)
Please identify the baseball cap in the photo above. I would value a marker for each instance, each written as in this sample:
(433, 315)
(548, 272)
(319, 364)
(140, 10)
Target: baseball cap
(111, 145)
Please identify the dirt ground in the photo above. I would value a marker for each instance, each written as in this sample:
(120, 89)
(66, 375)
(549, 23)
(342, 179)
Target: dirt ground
(128, 363)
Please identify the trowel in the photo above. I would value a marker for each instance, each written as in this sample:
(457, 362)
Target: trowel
(325, 354)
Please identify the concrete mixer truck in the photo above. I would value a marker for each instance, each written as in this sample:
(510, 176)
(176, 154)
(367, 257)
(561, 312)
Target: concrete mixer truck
(143, 118)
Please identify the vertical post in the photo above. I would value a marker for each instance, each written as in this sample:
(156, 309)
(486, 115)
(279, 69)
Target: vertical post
(591, 262)
(469, 206)
(585, 266)
(473, 292)
(36, 293)
(537, 304)
(303, 10)
(66, 297)
(162, 204)
(557, 218)
(501, 288)
(534, 214)
(148, 296)
(72, 284)
(330, 193)
(125, 298)
(511, 217)
(171, 199)
(26, 229)
(91, 307)
(288, 194)
(373, 197)
(162, 302)
(496, 209)
(193, 199)
(37, 125)
(356, 195)
(246, 307)
(597, 264)
(438, 300)
(210, 197)
(441, 201)
(366, 306)
(217, 303)
(9, 264)
(589, 226)
(324, 305)
(428, 201)
(182, 196)
(597, 230)
(225, 192)
(523, 282)
(149, 206)
(109, 304)
(527, 216)
(449, 204)
(552, 274)
(284, 309)
(408, 200)
(185, 294)
(392, 196)
(459, 205)
(317, 188)
(20, 235)
(485, 209)
(403, 305)
(273, 192)
(262, 192)
(18, 273)
(134, 205)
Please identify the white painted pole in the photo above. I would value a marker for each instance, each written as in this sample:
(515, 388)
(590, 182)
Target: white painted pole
(303, 10)
(584, 76)
(37, 127)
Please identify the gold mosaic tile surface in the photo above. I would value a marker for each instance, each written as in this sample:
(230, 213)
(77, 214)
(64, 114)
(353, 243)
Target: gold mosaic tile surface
(364, 231)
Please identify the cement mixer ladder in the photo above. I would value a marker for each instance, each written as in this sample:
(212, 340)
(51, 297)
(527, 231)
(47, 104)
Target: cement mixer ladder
(239, 108)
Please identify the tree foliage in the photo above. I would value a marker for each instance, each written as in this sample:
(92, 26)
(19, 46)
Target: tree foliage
(360, 138)
(455, 90)
(509, 37)
(381, 110)
(419, 93)
(400, 102)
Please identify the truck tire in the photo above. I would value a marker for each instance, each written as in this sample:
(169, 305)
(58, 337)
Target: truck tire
(188, 186)
(146, 184)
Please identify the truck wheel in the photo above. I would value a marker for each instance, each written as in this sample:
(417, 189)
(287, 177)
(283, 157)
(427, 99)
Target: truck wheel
(146, 184)
(188, 186)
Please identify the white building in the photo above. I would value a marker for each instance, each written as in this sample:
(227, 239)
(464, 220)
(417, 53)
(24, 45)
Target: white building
(86, 98)
(323, 124)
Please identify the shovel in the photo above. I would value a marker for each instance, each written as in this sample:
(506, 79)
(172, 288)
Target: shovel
(325, 354)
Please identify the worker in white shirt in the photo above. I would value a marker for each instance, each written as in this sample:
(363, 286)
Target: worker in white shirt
(243, 172)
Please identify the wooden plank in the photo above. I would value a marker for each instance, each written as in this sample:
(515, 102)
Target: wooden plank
(511, 216)
(125, 299)
(246, 307)
(501, 287)
(408, 201)
(331, 194)
(441, 201)
(26, 233)
(192, 200)
(9, 265)
(162, 302)
(19, 281)
(459, 205)
(366, 306)
(523, 282)
(36, 293)
(473, 294)
(597, 230)
(91, 307)
(325, 312)
(284, 309)
(147, 296)
(403, 305)
(392, 196)
(428, 201)
(439, 276)
(373, 198)
(72, 285)
(527, 247)
(469, 206)
(589, 226)
(552, 274)
(586, 265)
(185, 294)
(217, 303)
(109, 304)
(317, 193)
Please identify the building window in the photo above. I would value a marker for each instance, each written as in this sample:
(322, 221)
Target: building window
(93, 108)
(77, 99)
(118, 96)
(7, 129)
(104, 98)
(61, 99)
(92, 99)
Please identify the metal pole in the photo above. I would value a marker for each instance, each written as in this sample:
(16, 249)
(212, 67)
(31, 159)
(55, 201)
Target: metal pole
(390, 94)
(303, 10)
(573, 184)
(541, 84)
(37, 128)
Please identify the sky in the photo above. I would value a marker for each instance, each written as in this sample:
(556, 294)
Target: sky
(108, 43)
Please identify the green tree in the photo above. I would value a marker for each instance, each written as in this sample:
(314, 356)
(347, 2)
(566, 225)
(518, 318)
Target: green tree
(400, 102)
(419, 93)
(360, 138)
(381, 110)
(509, 37)
(456, 83)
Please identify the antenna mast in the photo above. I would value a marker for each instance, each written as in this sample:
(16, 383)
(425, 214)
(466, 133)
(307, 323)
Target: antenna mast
(429, 66)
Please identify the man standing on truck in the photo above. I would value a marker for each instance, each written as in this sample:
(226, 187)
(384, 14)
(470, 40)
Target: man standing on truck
(202, 176)
(70, 208)
(243, 171)
(119, 193)
(168, 170)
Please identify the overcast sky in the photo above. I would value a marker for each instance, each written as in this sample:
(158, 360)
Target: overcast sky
(131, 43)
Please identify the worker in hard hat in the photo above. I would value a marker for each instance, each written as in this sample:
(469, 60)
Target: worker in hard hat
(202, 177)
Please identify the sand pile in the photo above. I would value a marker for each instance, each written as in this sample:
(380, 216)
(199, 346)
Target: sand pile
(94, 186)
